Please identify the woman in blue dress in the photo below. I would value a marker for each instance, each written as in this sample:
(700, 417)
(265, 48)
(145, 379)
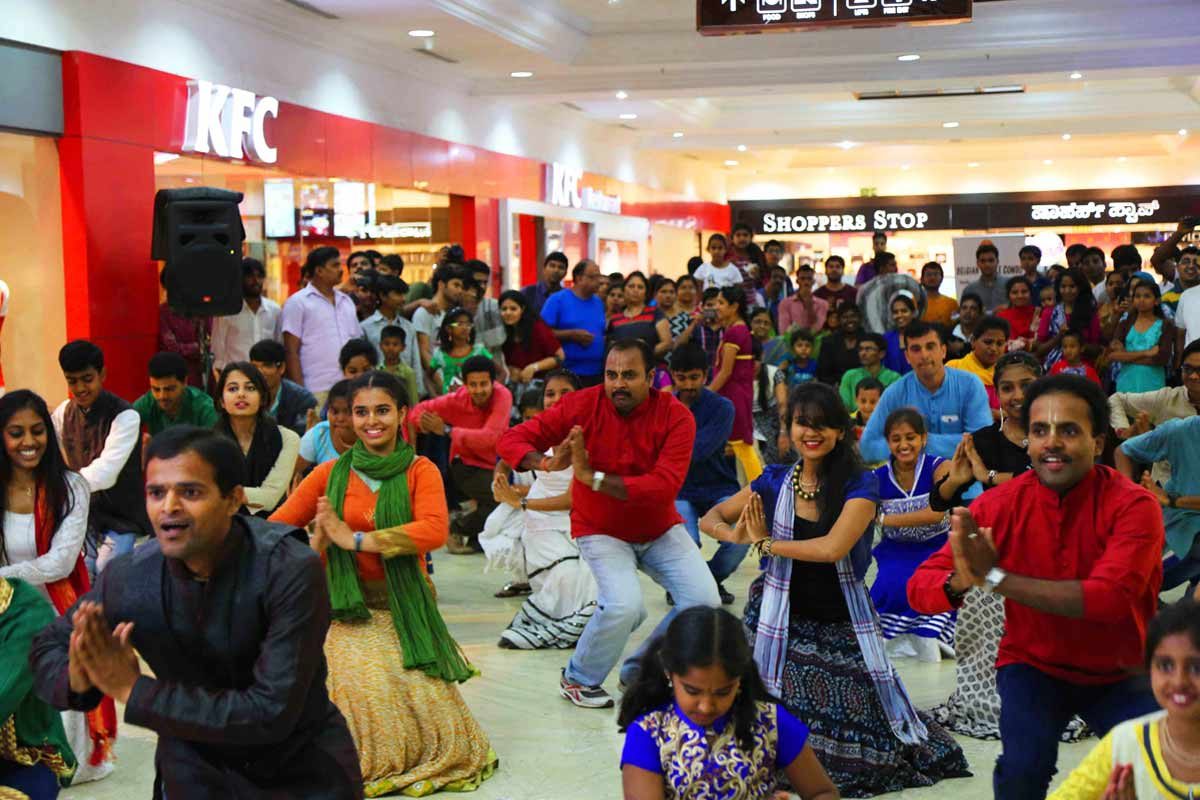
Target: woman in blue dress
(699, 723)
(911, 533)
(815, 634)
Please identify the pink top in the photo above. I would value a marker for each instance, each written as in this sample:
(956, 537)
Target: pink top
(475, 431)
(792, 312)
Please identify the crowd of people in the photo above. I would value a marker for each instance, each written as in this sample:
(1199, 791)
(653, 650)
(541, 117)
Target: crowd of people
(1010, 479)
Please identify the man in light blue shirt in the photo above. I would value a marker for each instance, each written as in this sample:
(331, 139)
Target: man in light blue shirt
(953, 402)
(577, 318)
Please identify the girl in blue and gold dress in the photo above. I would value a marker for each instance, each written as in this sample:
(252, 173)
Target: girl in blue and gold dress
(699, 723)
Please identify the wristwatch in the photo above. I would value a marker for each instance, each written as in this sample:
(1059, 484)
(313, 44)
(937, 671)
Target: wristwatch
(1172, 501)
(446, 428)
(993, 579)
(524, 504)
(597, 480)
(954, 597)
(358, 540)
(991, 479)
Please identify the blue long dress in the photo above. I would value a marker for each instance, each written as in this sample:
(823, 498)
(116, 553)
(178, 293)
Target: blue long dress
(902, 549)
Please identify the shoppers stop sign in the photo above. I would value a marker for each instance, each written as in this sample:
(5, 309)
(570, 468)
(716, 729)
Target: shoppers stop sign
(228, 122)
(880, 219)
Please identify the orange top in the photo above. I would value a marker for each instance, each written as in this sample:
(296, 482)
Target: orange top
(429, 529)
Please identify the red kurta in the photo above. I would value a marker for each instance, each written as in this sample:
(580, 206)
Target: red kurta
(474, 431)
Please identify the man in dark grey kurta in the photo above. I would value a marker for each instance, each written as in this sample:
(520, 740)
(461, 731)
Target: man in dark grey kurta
(230, 612)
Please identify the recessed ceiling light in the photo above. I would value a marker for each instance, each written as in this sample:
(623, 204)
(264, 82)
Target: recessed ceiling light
(629, 116)
(909, 57)
(622, 94)
(1122, 159)
(420, 33)
(906, 167)
(521, 74)
(1048, 161)
(1183, 131)
(741, 148)
(845, 144)
(730, 163)
(1066, 137)
(677, 134)
(973, 164)
(949, 124)
(1076, 76)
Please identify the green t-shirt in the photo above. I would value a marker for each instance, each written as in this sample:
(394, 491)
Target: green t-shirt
(197, 409)
(852, 377)
(451, 367)
(419, 291)
(406, 375)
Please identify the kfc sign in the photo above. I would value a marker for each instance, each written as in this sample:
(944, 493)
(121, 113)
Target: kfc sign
(228, 122)
(563, 189)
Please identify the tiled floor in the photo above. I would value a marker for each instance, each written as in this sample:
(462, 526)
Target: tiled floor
(550, 750)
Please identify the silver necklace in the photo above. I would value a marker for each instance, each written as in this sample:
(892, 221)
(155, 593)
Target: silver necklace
(1176, 752)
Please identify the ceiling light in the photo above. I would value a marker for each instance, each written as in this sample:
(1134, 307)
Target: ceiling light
(949, 124)
(1048, 161)
(906, 167)
(1122, 159)
(421, 33)
(1183, 131)
(909, 57)
(1066, 137)
(973, 164)
(845, 144)
(1076, 76)
(741, 148)
(521, 74)
(622, 94)
(730, 163)
(677, 134)
(629, 116)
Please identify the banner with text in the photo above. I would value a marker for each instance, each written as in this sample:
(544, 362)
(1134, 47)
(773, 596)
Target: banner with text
(965, 270)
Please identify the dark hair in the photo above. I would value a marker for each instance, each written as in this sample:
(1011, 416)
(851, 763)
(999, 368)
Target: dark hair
(736, 296)
(710, 293)
(339, 391)
(869, 385)
(556, 256)
(849, 307)
(80, 355)
(718, 237)
(918, 328)
(699, 636)
(522, 332)
(991, 323)
(800, 335)
(50, 475)
(268, 351)
(876, 339)
(359, 254)
(533, 399)
(908, 301)
(580, 268)
(318, 257)
(1190, 350)
(167, 365)
(682, 279)
(972, 296)
(475, 265)
(1071, 333)
(219, 451)
(1076, 386)
(902, 415)
(444, 339)
(1085, 302)
(480, 363)
(253, 265)
(933, 265)
(1096, 251)
(657, 282)
(838, 259)
(1031, 250)
(374, 255)
(448, 272)
(394, 261)
(1152, 287)
(1126, 255)
(563, 374)
(621, 345)
(645, 283)
(694, 263)
(762, 312)
(878, 235)
(1177, 618)
(883, 257)
(1190, 250)
(742, 226)
(1076, 249)
(1016, 281)
(394, 332)
(1017, 358)
(256, 377)
(821, 406)
(386, 381)
(354, 348)
(772, 243)
(987, 247)
(689, 357)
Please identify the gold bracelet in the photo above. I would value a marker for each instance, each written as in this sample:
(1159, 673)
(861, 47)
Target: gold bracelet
(765, 547)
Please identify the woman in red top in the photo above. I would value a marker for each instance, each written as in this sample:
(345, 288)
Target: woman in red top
(530, 347)
(1020, 314)
(733, 376)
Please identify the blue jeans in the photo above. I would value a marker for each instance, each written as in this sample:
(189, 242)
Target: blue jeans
(672, 560)
(728, 556)
(1034, 710)
(112, 544)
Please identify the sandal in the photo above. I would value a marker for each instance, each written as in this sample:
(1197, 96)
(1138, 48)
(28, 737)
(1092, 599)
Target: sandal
(514, 589)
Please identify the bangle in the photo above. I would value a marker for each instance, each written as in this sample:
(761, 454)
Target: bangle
(765, 547)
(597, 480)
(524, 504)
(358, 540)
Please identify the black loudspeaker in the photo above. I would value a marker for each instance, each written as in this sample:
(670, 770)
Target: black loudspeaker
(199, 233)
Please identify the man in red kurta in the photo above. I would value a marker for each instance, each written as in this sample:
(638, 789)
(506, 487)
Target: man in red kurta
(1075, 549)
(630, 446)
(474, 416)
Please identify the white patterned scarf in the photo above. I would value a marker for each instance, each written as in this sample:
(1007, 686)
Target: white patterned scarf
(770, 643)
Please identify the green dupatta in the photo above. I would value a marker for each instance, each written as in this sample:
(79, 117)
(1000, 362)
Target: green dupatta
(427, 644)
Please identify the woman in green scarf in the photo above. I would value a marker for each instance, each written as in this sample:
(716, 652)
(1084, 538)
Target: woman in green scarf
(378, 509)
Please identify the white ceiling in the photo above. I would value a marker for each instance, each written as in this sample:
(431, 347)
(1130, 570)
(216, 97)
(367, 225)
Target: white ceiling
(790, 98)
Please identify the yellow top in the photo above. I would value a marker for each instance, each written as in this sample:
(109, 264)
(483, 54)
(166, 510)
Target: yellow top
(969, 363)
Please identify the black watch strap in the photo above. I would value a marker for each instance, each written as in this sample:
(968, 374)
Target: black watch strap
(954, 597)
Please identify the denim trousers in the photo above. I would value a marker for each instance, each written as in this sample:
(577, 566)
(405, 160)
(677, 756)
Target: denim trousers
(728, 556)
(112, 544)
(672, 560)
(1034, 710)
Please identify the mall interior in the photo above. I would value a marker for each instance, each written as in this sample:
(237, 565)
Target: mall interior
(629, 134)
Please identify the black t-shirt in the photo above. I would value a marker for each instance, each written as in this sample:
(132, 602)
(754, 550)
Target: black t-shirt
(815, 590)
